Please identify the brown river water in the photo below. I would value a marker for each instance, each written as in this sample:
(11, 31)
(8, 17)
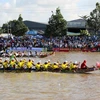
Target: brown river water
(53, 86)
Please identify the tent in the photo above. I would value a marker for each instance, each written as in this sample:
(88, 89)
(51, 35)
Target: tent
(6, 35)
(32, 32)
(72, 34)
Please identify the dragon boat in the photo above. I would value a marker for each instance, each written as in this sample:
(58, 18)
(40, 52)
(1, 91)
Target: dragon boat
(42, 55)
(78, 70)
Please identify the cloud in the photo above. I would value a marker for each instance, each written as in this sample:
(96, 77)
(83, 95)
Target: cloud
(14, 1)
(7, 5)
(40, 10)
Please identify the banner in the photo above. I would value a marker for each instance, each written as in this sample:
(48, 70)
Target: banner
(26, 49)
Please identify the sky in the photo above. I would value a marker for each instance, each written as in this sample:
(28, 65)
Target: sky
(41, 10)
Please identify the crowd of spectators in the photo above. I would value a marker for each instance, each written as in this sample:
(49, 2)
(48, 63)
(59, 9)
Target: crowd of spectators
(69, 42)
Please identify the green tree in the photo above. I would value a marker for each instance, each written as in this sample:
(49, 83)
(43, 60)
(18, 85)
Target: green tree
(57, 25)
(84, 33)
(93, 21)
(16, 27)
(1, 31)
(85, 19)
(19, 28)
(5, 28)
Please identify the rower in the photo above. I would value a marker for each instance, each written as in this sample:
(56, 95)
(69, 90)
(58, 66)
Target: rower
(5, 64)
(29, 64)
(12, 64)
(1, 62)
(12, 56)
(24, 61)
(55, 66)
(20, 64)
(38, 66)
(45, 66)
(98, 65)
(64, 65)
(35, 53)
(77, 64)
(83, 65)
(71, 65)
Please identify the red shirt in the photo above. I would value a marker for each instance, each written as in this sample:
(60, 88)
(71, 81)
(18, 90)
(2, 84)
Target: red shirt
(83, 65)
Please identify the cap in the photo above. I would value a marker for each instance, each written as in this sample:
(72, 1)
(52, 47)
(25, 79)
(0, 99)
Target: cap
(75, 62)
(49, 60)
(55, 62)
(20, 59)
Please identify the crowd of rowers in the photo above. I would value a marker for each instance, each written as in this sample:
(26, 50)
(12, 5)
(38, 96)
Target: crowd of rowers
(46, 66)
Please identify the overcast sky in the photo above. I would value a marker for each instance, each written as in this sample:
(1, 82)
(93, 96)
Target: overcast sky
(40, 10)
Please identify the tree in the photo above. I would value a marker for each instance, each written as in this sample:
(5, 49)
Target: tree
(85, 19)
(19, 28)
(16, 27)
(84, 33)
(57, 25)
(5, 28)
(94, 19)
(1, 31)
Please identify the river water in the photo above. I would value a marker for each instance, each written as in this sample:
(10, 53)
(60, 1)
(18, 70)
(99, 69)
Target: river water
(53, 86)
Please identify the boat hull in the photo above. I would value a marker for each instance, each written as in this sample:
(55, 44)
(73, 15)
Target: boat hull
(57, 71)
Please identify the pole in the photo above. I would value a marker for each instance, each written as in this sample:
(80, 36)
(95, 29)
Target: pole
(59, 41)
(8, 27)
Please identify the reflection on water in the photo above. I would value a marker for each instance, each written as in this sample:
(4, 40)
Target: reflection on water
(53, 86)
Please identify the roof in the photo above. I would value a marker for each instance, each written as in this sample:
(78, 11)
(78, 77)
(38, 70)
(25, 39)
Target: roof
(35, 25)
(78, 23)
(77, 20)
(6, 35)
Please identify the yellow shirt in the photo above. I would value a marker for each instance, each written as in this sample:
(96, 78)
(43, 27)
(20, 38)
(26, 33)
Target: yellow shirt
(49, 64)
(64, 66)
(38, 66)
(72, 66)
(29, 64)
(55, 66)
(5, 64)
(45, 66)
(24, 61)
(12, 63)
(20, 64)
